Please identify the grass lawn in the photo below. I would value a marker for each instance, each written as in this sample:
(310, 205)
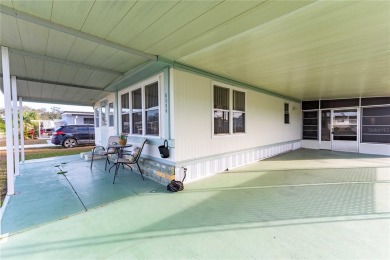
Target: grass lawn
(36, 153)
(27, 141)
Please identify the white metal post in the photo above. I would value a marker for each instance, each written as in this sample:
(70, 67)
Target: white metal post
(21, 129)
(8, 120)
(15, 123)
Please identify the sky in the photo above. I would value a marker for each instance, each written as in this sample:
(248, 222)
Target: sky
(47, 106)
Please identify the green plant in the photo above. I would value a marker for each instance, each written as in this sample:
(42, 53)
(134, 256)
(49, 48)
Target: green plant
(123, 136)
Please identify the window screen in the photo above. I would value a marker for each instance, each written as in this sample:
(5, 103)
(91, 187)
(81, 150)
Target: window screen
(376, 125)
(238, 112)
(125, 113)
(310, 125)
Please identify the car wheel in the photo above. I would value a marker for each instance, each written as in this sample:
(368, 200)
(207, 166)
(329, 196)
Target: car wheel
(69, 143)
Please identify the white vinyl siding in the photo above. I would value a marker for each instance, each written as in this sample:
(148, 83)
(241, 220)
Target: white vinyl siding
(194, 117)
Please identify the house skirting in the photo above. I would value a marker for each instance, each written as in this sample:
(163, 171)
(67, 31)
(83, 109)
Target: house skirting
(202, 168)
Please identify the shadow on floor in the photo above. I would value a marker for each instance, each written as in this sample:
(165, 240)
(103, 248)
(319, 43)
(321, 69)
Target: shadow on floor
(42, 195)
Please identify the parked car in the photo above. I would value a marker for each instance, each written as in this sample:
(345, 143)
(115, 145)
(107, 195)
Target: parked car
(72, 135)
(48, 131)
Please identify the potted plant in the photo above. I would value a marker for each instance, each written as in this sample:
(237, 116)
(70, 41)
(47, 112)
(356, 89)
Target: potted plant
(122, 139)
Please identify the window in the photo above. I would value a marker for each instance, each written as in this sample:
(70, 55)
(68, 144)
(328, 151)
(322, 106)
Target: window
(286, 113)
(103, 115)
(144, 114)
(376, 125)
(310, 125)
(152, 109)
(238, 112)
(223, 111)
(111, 114)
(136, 113)
(125, 113)
(88, 121)
(97, 117)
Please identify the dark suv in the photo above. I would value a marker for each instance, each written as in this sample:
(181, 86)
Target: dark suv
(72, 135)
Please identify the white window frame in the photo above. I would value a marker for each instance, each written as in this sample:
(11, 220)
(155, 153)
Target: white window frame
(231, 111)
(97, 117)
(109, 114)
(120, 109)
(159, 79)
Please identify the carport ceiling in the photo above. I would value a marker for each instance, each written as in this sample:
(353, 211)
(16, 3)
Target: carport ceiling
(70, 51)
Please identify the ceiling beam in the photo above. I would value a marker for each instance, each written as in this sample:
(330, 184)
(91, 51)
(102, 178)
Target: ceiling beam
(58, 27)
(57, 83)
(65, 62)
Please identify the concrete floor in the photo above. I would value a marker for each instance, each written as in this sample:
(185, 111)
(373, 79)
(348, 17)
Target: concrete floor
(304, 204)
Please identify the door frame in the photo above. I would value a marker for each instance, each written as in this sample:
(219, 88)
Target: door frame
(332, 144)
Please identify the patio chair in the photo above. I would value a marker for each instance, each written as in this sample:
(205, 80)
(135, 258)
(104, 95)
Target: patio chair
(131, 158)
(105, 151)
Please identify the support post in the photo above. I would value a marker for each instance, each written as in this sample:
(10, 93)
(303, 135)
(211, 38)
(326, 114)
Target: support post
(15, 123)
(8, 120)
(21, 129)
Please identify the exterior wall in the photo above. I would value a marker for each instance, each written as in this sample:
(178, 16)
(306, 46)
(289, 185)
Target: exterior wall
(73, 120)
(194, 139)
(102, 133)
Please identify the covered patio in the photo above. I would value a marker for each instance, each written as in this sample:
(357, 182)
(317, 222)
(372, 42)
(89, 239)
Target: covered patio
(335, 203)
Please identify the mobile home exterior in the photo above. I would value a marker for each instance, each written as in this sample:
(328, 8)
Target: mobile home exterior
(211, 125)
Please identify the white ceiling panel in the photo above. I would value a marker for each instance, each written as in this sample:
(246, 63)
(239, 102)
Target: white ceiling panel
(120, 58)
(71, 13)
(67, 73)
(81, 93)
(59, 92)
(261, 14)
(69, 93)
(100, 54)
(9, 32)
(17, 65)
(40, 8)
(101, 81)
(35, 89)
(142, 15)
(34, 37)
(22, 88)
(105, 15)
(34, 67)
(168, 23)
(130, 63)
(52, 71)
(59, 44)
(81, 50)
(284, 55)
(214, 17)
(81, 76)
(47, 91)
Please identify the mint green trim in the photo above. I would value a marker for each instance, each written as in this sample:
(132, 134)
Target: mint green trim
(222, 155)
(138, 74)
(167, 103)
(185, 67)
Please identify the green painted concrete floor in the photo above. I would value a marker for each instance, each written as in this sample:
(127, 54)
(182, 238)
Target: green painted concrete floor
(305, 204)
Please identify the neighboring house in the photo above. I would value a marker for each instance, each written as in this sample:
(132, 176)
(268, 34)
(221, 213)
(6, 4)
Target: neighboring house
(214, 125)
(77, 118)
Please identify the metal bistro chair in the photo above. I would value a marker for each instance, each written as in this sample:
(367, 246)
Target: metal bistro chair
(131, 158)
(101, 151)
